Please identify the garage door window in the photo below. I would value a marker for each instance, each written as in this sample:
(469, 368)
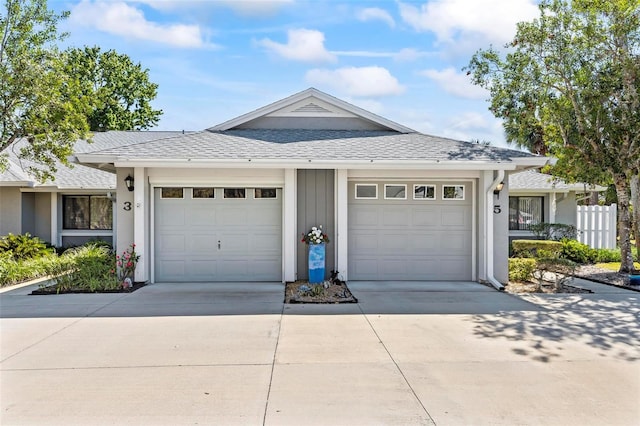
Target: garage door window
(237, 193)
(453, 192)
(265, 193)
(366, 192)
(204, 193)
(177, 193)
(395, 192)
(424, 192)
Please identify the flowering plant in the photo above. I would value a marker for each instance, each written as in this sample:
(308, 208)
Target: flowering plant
(315, 236)
(127, 265)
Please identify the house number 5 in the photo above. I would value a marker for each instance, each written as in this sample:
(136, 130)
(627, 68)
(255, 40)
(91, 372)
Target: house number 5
(127, 206)
(496, 209)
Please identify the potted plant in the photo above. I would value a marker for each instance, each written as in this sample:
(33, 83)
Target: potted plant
(316, 239)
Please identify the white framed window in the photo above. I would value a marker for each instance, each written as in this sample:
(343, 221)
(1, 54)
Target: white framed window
(366, 191)
(200, 193)
(237, 193)
(172, 193)
(87, 212)
(395, 192)
(424, 192)
(260, 193)
(453, 192)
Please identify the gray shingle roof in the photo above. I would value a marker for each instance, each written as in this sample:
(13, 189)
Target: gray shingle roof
(312, 144)
(532, 180)
(78, 176)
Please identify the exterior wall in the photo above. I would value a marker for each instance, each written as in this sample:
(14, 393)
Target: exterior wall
(29, 214)
(42, 215)
(501, 234)
(566, 208)
(345, 123)
(123, 212)
(315, 201)
(10, 210)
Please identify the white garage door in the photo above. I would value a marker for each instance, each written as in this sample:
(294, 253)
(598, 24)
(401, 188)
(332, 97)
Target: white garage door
(218, 234)
(410, 231)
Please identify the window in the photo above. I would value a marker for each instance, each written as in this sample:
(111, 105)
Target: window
(396, 192)
(265, 193)
(424, 192)
(235, 193)
(87, 212)
(366, 191)
(172, 193)
(453, 192)
(204, 193)
(524, 212)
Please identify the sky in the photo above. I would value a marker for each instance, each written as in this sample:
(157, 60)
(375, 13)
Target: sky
(217, 59)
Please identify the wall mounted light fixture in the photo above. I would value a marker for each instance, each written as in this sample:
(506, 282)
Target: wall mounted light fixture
(498, 189)
(129, 182)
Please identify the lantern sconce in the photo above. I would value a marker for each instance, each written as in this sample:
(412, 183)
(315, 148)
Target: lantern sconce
(498, 189)
(129, 182)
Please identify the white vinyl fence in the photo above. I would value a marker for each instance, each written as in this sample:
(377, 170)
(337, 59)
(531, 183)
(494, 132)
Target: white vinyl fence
(597, 226)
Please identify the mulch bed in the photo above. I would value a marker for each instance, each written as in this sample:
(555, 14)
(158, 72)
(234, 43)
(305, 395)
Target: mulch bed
(53, 290)
(332, 293)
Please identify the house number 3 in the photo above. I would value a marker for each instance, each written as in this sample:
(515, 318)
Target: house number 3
(127, 206)
(496, 209)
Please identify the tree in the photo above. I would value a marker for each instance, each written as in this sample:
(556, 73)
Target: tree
(38, 101)
(120, 90)
(569, 86)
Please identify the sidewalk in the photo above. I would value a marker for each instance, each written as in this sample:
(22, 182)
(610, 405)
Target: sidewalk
(407, 353)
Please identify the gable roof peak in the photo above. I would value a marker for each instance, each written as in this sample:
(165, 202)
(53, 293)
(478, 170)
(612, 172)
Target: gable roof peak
(312, 102)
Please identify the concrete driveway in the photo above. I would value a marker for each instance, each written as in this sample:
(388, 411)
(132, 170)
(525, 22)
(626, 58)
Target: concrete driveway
(406, 354)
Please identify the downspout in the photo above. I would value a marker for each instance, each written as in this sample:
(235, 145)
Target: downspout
(489, 246)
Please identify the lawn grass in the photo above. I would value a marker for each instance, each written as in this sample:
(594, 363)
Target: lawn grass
(615, 266)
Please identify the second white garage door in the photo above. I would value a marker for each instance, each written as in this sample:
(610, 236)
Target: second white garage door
(218, 234)
(410, 231)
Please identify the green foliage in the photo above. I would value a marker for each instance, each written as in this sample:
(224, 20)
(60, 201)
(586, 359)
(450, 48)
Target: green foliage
(315, 290)
(554, 231)
(536, 248)
(119, 89)
(90, 267)
(521, 270)
(14, 272)
(609, 256)
(20, 247)
(577, 252)
(38, 100)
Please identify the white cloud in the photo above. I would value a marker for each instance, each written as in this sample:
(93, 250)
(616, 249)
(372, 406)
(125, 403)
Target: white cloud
(376, 14)
(121, 19)
(302, 45)
(360, 82)
(241, 7)
(456, 83)
(491, 20)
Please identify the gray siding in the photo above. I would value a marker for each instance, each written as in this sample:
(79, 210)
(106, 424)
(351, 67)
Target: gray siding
(29, 213)
(316, 207)
(42, 216)
(315, 123)
(566, 211)
(10, 210)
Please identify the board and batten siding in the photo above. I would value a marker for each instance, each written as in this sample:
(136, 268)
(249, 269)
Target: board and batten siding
(315, 207)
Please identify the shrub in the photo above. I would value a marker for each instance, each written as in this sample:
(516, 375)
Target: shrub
(578, 252)
(89, 267)
(554, 231)
(15, 271)
(24, 246)
(521, 270)
(536, 248)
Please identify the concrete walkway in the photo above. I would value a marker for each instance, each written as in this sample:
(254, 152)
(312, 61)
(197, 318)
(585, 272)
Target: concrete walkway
(406, 354)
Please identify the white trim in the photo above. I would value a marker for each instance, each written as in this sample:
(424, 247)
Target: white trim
(474, 231)
(341, 183)
(139, 209)
(426, 185)
(375, 185)
(289, 226)
(490, 256)
(55, 227)
(395, 184)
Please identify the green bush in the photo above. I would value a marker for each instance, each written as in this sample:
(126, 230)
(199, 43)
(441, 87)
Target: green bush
(90, 267)
(536, 248)
(16, 271)
(608, 255)
(521, 269)
(578, 252)
(24, 246)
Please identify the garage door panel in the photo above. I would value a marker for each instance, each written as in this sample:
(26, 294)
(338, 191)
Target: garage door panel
(202, 216)
(171, 269)
(174, 214)
(233, 216)
(203, 243)
(265, 216)
(413, 239)
(202, 270)
(171, 242)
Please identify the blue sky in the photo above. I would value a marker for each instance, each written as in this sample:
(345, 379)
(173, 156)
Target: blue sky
(215, 60)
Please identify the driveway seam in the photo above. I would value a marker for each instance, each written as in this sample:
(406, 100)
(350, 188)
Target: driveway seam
(273, 366)
(396, 365)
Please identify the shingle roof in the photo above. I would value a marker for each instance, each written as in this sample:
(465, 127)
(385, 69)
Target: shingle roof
(78, 176)
(532, 180)
(312, 144)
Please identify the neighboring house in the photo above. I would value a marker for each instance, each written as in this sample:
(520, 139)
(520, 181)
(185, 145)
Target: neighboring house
(230, 203)
(74, 208)
(536, 197)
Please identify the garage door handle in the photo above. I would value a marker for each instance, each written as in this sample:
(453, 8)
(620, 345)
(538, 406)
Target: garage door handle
(218, 244)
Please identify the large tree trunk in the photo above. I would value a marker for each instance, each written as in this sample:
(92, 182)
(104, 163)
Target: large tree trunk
(635, 202)
(624, 222)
